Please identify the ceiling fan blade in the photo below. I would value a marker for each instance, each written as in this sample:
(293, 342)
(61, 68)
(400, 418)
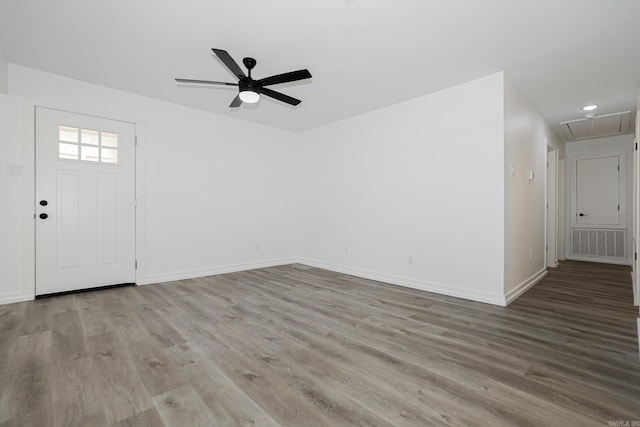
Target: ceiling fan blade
(206, 82)
(280, 96)
(236, 102)
(291, 76)
(229, 62)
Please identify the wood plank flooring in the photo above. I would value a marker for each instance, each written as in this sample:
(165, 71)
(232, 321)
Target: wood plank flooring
(300, 346)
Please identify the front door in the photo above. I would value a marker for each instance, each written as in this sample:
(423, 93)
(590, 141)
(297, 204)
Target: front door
(85, 201)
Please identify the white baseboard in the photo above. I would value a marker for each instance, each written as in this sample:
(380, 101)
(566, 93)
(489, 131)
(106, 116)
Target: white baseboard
(408, 282)
(600, 260)
(12, 298)
(513, 294)
(211, 271)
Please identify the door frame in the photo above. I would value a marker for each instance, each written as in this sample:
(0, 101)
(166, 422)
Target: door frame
(571, 208)
(551, 196)
(138, 178)
(562, 204)
(635, 263)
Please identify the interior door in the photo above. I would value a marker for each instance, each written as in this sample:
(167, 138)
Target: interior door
(85, 201)
(598, 191)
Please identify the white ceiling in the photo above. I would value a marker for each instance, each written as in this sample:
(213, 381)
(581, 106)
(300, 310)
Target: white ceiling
(363, 54)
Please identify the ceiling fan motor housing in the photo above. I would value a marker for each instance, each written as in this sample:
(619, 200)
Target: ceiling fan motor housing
(248, 84)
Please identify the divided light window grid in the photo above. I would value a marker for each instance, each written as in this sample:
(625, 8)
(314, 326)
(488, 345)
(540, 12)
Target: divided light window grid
(87, 145)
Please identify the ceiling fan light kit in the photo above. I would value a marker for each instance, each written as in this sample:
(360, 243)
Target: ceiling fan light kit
(249, 96)
(249, 90)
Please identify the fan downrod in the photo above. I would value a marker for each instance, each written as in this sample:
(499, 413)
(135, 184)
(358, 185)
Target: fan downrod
(249, 63)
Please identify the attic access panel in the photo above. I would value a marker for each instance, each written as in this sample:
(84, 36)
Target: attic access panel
(596, 127)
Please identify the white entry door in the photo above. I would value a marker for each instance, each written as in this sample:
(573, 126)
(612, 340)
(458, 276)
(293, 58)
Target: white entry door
(85, 202)
(598, 191)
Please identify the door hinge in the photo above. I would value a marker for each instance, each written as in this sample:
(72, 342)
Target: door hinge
(618, 207)
(635, 256)
(636, 146)
(136, 140)
(618, 168)
(135, 203)
(136, 264)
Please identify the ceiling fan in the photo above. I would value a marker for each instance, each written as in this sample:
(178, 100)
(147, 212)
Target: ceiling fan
(250, 89)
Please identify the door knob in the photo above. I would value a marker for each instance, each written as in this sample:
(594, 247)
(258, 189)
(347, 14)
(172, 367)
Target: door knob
(43, 203)
(44, 216)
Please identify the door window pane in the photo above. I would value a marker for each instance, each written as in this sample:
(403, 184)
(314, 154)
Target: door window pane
(67, 151)
(109, 139)
(109, 155)
(68, 134)
(91, 137)
(89, 153)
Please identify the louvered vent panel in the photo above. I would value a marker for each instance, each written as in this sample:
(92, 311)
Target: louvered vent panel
(620, 244)
(598, 242)
(593, 243)
(584, 242)
(602, 246)
(611, 248)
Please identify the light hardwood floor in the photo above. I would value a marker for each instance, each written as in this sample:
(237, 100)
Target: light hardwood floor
(300, 346)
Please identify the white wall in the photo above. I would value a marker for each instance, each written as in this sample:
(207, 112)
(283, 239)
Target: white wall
(526, 136)
(623, 145)
(412, 194)
(210, 188)
(4, 74)
(12, 184)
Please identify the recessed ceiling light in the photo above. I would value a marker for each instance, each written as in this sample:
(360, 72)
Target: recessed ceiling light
(589, 107)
